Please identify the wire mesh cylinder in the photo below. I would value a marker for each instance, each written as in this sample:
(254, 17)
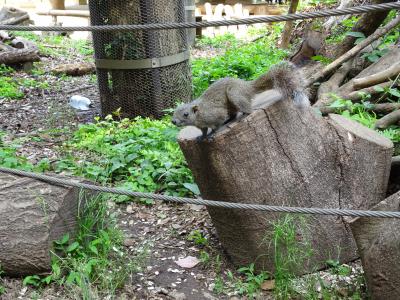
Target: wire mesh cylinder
(141, 72)
(190, 9)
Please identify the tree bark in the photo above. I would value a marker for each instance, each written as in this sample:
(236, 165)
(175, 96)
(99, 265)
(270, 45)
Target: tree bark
(367, 24)
(279, 155)
(19, 56)
(378, 241)
(287, 31)
(33, 215)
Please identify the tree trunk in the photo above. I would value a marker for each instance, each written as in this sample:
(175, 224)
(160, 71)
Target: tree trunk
(33, 215)
(367, 24)
(378, 241)
(160, 87)
(279, 155)
(287, 31)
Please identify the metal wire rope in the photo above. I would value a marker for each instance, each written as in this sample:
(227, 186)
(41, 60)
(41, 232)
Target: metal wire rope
(268, 19)
(223, 204)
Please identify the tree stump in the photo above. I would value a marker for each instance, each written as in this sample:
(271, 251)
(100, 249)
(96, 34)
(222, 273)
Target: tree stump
(33, 215)
(378, 241)
(279, 155)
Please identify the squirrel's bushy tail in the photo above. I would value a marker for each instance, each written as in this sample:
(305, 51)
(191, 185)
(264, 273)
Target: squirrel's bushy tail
(288, 80)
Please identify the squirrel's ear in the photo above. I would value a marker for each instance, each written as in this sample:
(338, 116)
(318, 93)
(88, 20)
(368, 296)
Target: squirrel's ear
(195, 109)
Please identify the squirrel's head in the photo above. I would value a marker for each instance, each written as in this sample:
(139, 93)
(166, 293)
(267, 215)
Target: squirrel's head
(185, 114)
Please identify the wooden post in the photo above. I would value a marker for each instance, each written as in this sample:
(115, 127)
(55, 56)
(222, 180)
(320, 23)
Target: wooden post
(279, 155)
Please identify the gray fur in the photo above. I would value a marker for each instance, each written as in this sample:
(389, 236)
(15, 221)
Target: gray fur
(228, 96)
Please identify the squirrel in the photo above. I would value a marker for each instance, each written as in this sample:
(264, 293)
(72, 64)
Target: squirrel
(226, 97)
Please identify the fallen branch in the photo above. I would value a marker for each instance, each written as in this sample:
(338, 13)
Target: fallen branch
(353, 52)
(381, 108)
(377, 78)
(372, 90)
(332, 85)
(65, 12)
(77, 69)
(388, 120)
(15, 20)
(27, 53)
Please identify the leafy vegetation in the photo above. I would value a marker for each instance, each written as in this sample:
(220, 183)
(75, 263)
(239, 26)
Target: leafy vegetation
(359, 112)
(2, 288)
(290, 254)
(243, 61)
(95, 262)
(8, 87)
(140, 155)
(60, 45)
(10, 159)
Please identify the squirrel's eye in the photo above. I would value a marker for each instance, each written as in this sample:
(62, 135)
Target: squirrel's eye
(186, 114)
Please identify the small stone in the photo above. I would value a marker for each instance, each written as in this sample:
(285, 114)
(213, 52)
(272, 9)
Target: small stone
(268, 285)
(211, 287)
(129, 209)
(177, 296)
(129, 242)
(209, 296)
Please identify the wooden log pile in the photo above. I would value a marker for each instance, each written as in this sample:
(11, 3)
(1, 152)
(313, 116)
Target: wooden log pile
(15, 50)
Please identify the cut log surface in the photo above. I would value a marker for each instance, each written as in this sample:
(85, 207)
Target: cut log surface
(279, 155)
(33, 215)
(378, 241)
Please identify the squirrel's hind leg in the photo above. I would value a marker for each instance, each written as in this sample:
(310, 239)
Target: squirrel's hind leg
(239, 101)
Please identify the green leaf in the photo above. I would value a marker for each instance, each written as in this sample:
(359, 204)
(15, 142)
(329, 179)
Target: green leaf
(193, 188)
(93, 248)
(356, 34)
(373, 58)
(394, 92)
(31, 280)
(63, 240)
(72, 247)
(379, 89)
